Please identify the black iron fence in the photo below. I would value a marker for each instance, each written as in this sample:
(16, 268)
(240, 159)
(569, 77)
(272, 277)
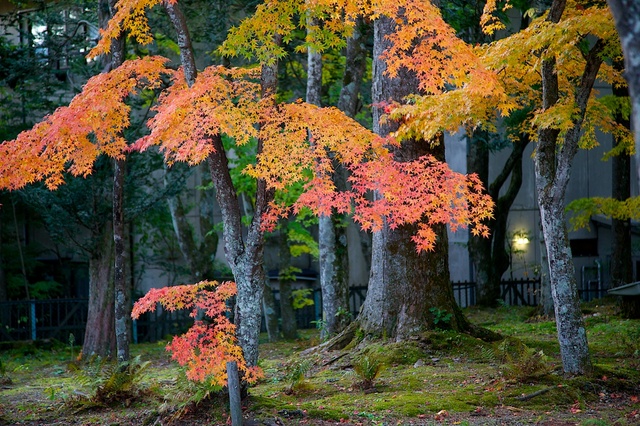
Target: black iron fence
(59, 318)
(43, 319)
(522, 292)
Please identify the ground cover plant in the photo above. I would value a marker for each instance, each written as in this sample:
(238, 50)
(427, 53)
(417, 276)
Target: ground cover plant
(440, 377)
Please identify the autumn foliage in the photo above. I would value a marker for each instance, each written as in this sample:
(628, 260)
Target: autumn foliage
(208, 345)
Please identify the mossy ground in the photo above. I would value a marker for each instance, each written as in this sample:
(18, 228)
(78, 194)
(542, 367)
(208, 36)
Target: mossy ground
(436, 378)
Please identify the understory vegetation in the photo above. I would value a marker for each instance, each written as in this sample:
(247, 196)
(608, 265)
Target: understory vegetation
(439, 377)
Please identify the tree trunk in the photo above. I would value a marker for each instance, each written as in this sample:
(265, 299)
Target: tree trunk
(122, 292)
(546, 299)
(3, 278)
(333, 254)
(553, 169)
(408, 290)
(287, 314)
(489, 255)
(487, 292)
(99, 335)
(349, 102)
(626, 14)
(270, 315)
(621, 253)
(245, 256)
(121, 287)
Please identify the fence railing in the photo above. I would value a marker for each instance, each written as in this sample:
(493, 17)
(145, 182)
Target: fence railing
(523, 292)
(58, 318)
(43, 319)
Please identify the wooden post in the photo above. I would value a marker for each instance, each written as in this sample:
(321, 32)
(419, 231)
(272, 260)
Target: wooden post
(233, 383)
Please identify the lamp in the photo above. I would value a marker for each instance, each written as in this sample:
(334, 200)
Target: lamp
(520, 240)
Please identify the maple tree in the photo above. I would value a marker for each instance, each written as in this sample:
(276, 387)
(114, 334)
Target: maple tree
(564, 117)
(194, 113)
(208, 345)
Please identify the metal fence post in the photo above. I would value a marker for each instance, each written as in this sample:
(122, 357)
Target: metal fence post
(32, 318)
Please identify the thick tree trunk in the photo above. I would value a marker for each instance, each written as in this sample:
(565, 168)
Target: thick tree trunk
(99, 336)
(626, 14)
(553, 169)
(408, 290)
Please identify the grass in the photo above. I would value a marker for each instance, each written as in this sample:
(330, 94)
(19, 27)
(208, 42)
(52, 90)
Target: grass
(438, 378)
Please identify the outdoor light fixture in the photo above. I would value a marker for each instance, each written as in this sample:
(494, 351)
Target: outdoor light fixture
(520, 240)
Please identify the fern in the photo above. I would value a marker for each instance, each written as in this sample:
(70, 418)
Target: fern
(368, 368)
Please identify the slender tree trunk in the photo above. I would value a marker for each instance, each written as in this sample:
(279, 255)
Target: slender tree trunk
(287, 314)
(199, 257)
(552, 170)
(245, 256)
(3, 278)
(122, 290)
(333, 254)
(489, 255)
(621, 253)
(349, 102)
(99, 336)
(626, 14)
(270, 314)
(407, 289)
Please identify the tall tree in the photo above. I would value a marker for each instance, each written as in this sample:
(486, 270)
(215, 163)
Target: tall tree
(221, 101)
(406, 287)
(553, 161)
(332, 244)
(626, 14)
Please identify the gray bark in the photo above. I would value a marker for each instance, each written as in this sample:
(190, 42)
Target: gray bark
(122, 296)
(349, 102)
(99, 335)
(199, 257)
(546, 299)
(626, 14)
(333, 260)
(553, 169)
(245, 256)
(121, 287)
(404, 285)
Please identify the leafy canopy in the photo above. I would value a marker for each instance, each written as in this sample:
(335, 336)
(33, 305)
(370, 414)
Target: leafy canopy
(207, 346)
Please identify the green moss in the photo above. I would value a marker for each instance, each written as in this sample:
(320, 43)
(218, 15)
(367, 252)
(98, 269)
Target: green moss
(401, 353)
